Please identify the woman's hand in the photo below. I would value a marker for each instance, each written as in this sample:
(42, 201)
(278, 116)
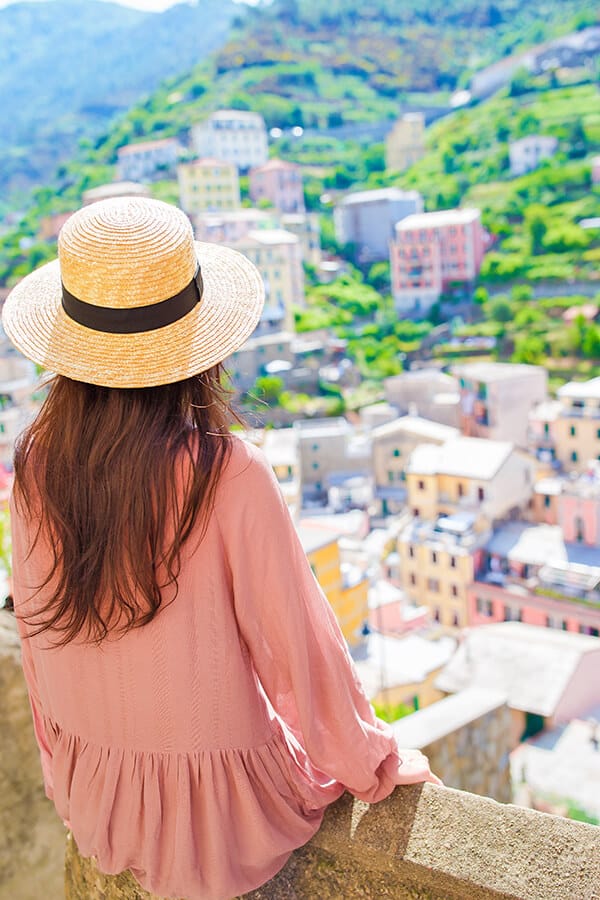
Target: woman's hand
(413, 767)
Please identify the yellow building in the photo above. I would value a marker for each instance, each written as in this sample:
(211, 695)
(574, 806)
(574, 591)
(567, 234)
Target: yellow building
(349, 601)
(208, 185)
(456, 493)
(405, 144)
(577, 429)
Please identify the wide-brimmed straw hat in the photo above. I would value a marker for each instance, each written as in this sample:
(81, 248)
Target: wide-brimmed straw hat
(133, 300)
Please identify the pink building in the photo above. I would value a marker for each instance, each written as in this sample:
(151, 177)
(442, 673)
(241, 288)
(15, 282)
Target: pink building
(433, 252)
(573, 503)
(531, 574)
(279, 182)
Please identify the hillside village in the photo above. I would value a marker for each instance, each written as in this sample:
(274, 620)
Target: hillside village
(425, 381)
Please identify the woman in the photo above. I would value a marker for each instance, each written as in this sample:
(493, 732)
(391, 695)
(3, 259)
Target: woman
(193, 699)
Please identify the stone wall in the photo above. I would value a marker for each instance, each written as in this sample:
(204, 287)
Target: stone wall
(467, 738)
(31, 834)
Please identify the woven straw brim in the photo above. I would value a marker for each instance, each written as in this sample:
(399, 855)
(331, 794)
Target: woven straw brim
(228, 313)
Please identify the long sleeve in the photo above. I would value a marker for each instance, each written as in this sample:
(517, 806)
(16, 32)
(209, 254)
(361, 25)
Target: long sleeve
(20, 594)
(297, 648)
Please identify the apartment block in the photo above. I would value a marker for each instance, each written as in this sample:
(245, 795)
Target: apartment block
(208, 185)
(115, 189)
(405, 144)
(278, 256)
(307, 228)
(280, 183)
(391, 446)
(433, 252)
(566, 432)
(346, 593)
(367, 219)
(496, 399)
(527, 153)
(428, 393)
(234, 135)
(530, 573)
(256, 355)
(228, 226)
(571, 502)
(485, 478)
(147, 159)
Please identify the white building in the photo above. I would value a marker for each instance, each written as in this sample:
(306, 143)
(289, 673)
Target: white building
(234, 135)
(367, 219)
(527, 153)
(277, 254)
(225, 227)
(138, 162)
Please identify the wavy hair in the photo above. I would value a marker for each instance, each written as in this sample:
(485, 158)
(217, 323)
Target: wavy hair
(117, 480)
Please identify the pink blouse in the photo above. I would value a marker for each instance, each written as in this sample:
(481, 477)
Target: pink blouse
(198, 751)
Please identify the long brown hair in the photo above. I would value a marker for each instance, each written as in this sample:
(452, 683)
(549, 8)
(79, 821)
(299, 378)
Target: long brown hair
(117, 480)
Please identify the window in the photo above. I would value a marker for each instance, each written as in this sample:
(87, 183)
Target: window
(433, 585)
(433, 557)
(456, 620)
(452, 562)
(411, 551)
(413, 579)
(396, 452)
(546, 428)
(436, 613)
(315, 465)
(480, 494)
(572, 431)
(598, 433)
(547, 500)
(314, 446)
(421, 485)
(574, 456)
(454, 591)
(416, 512)
(461, 489)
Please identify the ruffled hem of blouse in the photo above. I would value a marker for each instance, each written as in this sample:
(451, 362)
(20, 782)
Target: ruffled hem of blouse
(159, 814)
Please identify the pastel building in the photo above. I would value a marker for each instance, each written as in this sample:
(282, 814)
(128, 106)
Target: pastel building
(428, 393)
(433, 252)
(257, 355)
(148, 159)
(367, 219)
(548, 677)
(573, 503)
(208, 185)
(115, 189)
(228, 226)
(19, 403)
(527, 153)
(234, 135)
(530, 573)
(391, 446)
(330, 454)
(280, 183)
(278, 256)
(347, 594)
(486, 478)
(567, 432)
(405, 144)
(308, 229)
(496, 399)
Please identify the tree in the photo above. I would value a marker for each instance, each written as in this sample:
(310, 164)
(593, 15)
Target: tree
(530, 350)
(268, 387)
(501, 310)
(536, 226)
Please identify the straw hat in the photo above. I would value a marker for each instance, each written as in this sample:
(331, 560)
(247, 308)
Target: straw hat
(132, 300)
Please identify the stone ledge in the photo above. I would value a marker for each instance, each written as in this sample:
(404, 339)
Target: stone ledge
(422, 843)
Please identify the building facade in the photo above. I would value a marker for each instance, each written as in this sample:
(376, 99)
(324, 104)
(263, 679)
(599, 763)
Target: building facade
(433, 252)
(496, 399)
(234, 135)
(208, 185)
(277, 254)
(566, 433)
(280, 183)
(405, 144)
(527, 153)
(147, 160)
(366, 219)
(226, 227)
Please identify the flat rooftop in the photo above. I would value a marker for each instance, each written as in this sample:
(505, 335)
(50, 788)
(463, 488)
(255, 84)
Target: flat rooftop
(580, 390)
(442, 718)
(463, 457)
(416, 425)
(438, 219)
(495, 371)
